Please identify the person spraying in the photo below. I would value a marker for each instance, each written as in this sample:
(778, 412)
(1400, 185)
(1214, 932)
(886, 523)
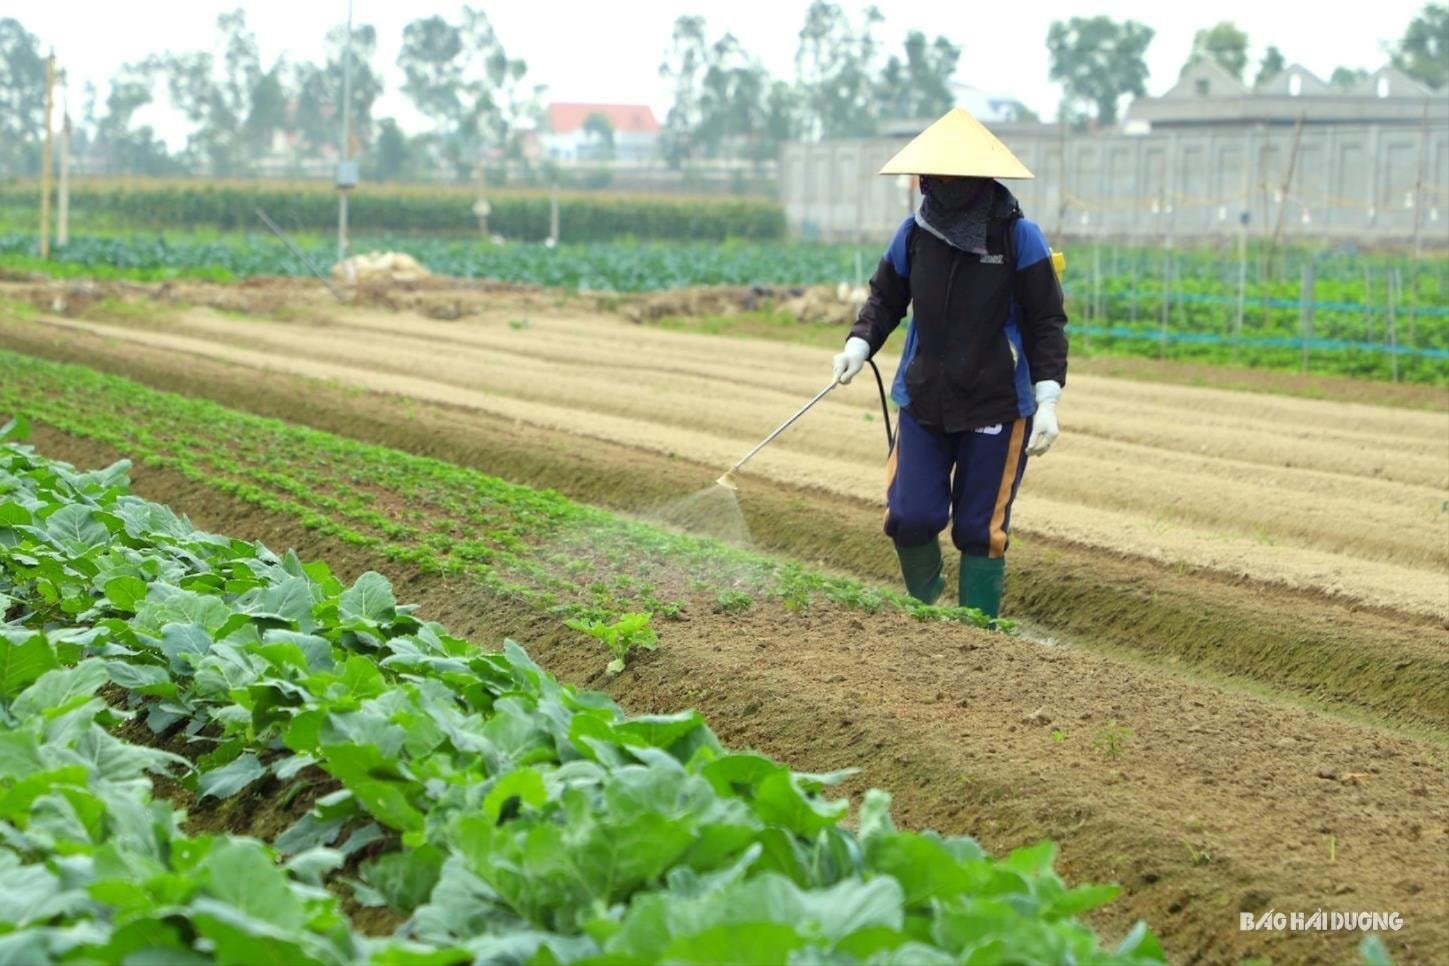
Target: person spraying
(984, 360)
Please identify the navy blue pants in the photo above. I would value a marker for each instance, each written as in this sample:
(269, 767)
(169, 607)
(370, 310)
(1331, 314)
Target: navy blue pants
(968, 479)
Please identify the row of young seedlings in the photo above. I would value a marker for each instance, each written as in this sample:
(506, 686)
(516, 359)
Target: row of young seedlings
(498, 814)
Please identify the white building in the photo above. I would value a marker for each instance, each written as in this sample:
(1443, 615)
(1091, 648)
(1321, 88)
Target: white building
(569, 136)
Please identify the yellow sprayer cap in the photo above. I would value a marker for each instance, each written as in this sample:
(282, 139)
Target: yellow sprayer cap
(958, 145)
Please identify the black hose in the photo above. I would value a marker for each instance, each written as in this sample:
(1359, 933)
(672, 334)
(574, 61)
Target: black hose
(885, 411)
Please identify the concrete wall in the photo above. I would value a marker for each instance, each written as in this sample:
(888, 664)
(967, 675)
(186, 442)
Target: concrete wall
(1349, 181)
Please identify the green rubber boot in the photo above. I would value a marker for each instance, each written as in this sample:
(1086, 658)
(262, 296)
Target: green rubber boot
(981, 583)
(921, 566)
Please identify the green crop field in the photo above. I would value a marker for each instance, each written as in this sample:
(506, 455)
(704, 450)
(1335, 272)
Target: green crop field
(1362, 314)
(211, 751)
(170, 205)
(318, 478)
(602, 266)
(487, 811)
(447, 524)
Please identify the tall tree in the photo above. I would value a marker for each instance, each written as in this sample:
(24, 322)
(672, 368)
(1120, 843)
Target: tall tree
(781, 119)
(22, 97)
(460, 76)
(266, 115)
(733, 106)
(1098, 61)
(836, 68)
(1347, 78)
(919, 86)
(120, 147)
(1270, 66)
(319, 91)
(685, 66)
(234, 105)
(1224, 43)
(598, 126)
(391, 156)
(726, 104)
(1423, 53)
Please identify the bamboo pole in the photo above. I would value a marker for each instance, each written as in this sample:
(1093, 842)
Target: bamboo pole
(1287, 185)
(62, 208)
(1394, 283)
(1244, 217)
(1096, 299)
(1168, 255)
(1166, 300)
(1418, 225)
(1305, 310)
(1242, 285)
(45, 158)
(1368, 303)
(1061, 178)
(1136, 257)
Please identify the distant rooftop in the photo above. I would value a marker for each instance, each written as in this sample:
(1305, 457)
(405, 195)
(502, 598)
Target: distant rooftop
(567, 117)
(1206, 94)
(995, 110)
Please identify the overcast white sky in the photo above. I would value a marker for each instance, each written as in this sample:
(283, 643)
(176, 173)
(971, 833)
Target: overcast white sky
(610, 51)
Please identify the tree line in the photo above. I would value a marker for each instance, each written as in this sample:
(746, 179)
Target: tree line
(481, 103)
(1098, 61)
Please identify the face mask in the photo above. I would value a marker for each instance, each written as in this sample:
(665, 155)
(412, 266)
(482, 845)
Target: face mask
(955, 193)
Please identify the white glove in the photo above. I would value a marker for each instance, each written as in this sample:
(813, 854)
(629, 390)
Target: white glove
(1044, 429)
(849, 361)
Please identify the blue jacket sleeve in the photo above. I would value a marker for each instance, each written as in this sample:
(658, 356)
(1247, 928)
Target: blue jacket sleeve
(1042, 315)
(890, 291)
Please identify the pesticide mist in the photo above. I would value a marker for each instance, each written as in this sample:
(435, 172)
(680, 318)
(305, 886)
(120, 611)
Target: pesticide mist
(712, 512)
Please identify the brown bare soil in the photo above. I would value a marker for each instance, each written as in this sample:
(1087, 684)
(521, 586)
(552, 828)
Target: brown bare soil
(1202, 802)
(1328, 387)
(1345, 499)
(1326, 652)
(1286, 551)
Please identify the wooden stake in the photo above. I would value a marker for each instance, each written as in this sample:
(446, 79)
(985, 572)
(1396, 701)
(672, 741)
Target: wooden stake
(62, 209)
(45, 150)
(553, 215)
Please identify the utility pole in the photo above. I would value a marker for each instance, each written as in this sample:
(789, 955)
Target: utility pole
(346, 169)
(45, 158)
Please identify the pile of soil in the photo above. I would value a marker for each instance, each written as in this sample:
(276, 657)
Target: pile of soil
(815, 304)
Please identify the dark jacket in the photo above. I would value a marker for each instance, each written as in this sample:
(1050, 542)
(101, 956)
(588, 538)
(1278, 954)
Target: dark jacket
(984, 327)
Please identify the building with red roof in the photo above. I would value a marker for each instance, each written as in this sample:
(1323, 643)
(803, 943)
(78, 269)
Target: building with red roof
(600, 132)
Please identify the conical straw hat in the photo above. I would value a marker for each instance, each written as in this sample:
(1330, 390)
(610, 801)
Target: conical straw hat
(959, 145)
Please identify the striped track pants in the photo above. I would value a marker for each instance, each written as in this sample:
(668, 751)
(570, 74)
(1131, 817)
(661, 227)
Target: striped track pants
(966, 479)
